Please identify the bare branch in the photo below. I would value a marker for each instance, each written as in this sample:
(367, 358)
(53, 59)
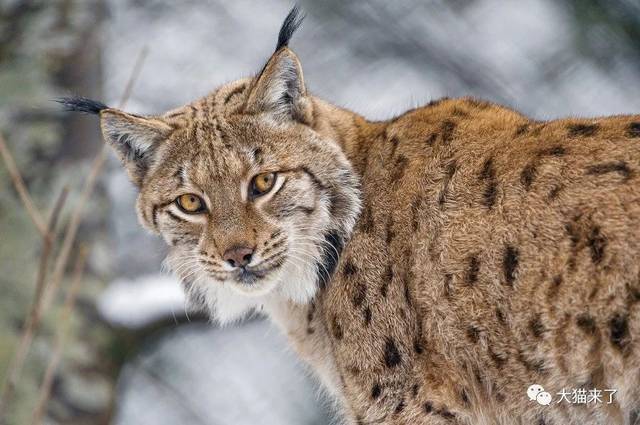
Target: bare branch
(17, 362)
(21, 188)
(135, 73)
(62, 332)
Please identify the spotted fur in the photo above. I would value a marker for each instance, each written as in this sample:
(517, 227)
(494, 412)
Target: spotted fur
(429, 268)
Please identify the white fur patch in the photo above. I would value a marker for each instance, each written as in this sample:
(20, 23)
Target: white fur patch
(228, 302)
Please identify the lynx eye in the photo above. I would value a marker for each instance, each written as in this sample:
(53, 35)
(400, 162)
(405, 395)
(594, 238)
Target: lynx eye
(262, 183)
(190, 203)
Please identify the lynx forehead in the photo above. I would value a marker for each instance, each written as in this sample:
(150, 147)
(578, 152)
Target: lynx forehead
(443, 267)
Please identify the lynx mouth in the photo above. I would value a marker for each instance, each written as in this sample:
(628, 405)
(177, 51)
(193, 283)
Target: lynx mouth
(251, 275)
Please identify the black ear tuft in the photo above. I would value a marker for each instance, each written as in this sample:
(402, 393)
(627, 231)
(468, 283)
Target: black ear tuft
(291, 23)
(81, 104)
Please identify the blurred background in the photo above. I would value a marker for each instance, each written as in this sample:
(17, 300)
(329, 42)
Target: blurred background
(126, 351)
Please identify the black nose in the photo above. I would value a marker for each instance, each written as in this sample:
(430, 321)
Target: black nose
(238, 256)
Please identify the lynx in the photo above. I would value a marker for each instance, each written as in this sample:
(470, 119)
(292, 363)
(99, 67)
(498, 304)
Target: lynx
(436, 268)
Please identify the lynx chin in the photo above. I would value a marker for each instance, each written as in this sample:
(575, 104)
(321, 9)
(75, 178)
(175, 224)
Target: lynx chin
(429, 268)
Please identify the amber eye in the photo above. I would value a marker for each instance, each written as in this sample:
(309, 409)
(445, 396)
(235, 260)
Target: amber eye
(262, 183)
(190, 203)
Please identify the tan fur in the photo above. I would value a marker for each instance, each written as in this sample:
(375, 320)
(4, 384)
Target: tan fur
(491, 252)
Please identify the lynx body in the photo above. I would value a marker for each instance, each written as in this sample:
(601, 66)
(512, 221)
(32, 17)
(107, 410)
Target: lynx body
(429, 268)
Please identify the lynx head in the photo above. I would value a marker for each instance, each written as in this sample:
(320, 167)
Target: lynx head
(253, 202)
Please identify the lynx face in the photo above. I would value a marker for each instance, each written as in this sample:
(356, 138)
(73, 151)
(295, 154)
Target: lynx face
(253, 201)
(250, 206)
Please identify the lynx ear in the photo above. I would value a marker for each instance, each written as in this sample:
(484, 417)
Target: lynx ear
(134, 138)
(279, 90)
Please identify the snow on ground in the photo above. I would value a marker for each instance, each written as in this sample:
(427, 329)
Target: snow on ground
(136, 303)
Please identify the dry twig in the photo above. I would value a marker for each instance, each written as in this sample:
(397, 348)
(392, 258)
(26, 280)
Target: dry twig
(18, 183)
(17, 362)
(62, 332)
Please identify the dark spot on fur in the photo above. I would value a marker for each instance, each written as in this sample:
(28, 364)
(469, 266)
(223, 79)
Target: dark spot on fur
(573, 232)
(367, 316)
(521, 130)
(554, 285)
(399, 168)
(234, 92)
(554, 151)
(619, 327)
(178, 176)
(447, 285)
(436, 102)
(400, 407)
(500, 316)
(582, 130)
(311, 312)
(459, 112)
(499, 359)
(376, 391)
(386, 280)
(407, 291)
(487, 171)
(586, 322)
(392, 356)
(432, 139)
(536, 326)
(257, 155)
(445, 413)
(448, 127)
(310, 330)
(510, 264)
(554, 192)
(449, 172)
(464, 396)
(528, 174)
(597, 244)
(418, 346)
(414, 390)
(349, 268)
(477, 103)
(359, 294)
(497, 394)
(620, 167)
(478, 376)
(415, 213)
(336, 329)
(473, 271)
(488, 174)
(394, 145)
(473, 334)
(532, 366)
(390, 234)
(428, 407)
(366, 220)
(633, 130)
(633, 294)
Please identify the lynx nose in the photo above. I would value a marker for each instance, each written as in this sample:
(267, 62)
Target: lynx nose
(238, 256)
